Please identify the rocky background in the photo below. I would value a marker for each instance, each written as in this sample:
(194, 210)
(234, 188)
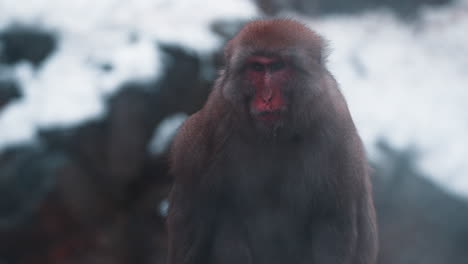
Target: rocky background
(93, 190)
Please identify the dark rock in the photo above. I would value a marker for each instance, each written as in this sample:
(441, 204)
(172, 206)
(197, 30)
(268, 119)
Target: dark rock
(9, 91)
(323, 7)
(27, 176)
(418, 221)
(185, 94)
(107, 67)
(26, 43)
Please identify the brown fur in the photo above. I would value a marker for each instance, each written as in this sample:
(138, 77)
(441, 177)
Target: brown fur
(294, 192)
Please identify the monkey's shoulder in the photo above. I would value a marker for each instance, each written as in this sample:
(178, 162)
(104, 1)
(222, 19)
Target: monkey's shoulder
(187, 145)
(194, 145)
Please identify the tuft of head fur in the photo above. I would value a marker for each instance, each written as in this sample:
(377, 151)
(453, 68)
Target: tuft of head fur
(276, 35)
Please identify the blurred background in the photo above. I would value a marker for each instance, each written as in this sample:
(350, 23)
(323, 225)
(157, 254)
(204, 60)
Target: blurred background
(91, 93)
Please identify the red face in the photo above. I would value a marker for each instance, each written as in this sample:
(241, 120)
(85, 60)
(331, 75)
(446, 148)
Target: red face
(268, 75)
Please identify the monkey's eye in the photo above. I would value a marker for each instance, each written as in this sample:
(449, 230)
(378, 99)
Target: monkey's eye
(258, 67)
(277, 65)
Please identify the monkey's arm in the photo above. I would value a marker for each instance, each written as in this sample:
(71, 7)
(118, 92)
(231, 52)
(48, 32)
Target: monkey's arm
(188, 227)
(189, 212)
(367, 230)
(346, 238)
(347, 234)
(366, 222)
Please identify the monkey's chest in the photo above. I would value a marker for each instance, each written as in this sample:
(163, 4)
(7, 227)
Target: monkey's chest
(267, 236)
(269, 197)
(269, 179)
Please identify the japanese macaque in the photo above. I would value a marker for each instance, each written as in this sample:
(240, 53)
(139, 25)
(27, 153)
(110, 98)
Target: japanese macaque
(271, 169)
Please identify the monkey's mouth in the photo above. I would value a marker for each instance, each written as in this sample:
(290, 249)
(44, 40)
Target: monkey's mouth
(269, 116)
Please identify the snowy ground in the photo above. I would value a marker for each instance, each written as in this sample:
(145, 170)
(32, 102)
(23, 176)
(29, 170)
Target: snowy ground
(404, 83)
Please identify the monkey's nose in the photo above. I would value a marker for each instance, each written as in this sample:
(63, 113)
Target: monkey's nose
(267, 95)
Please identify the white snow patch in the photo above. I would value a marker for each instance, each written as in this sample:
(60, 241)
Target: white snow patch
(408, 84)
(165, 132)
(163, 207)
(184, 22)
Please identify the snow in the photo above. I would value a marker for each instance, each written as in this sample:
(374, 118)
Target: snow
(164, 133)
(163, 207)
(71, 86)
(183, 22)
(407, 84)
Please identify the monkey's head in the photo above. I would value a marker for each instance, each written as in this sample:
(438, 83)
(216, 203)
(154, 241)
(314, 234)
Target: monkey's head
(273, 67)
